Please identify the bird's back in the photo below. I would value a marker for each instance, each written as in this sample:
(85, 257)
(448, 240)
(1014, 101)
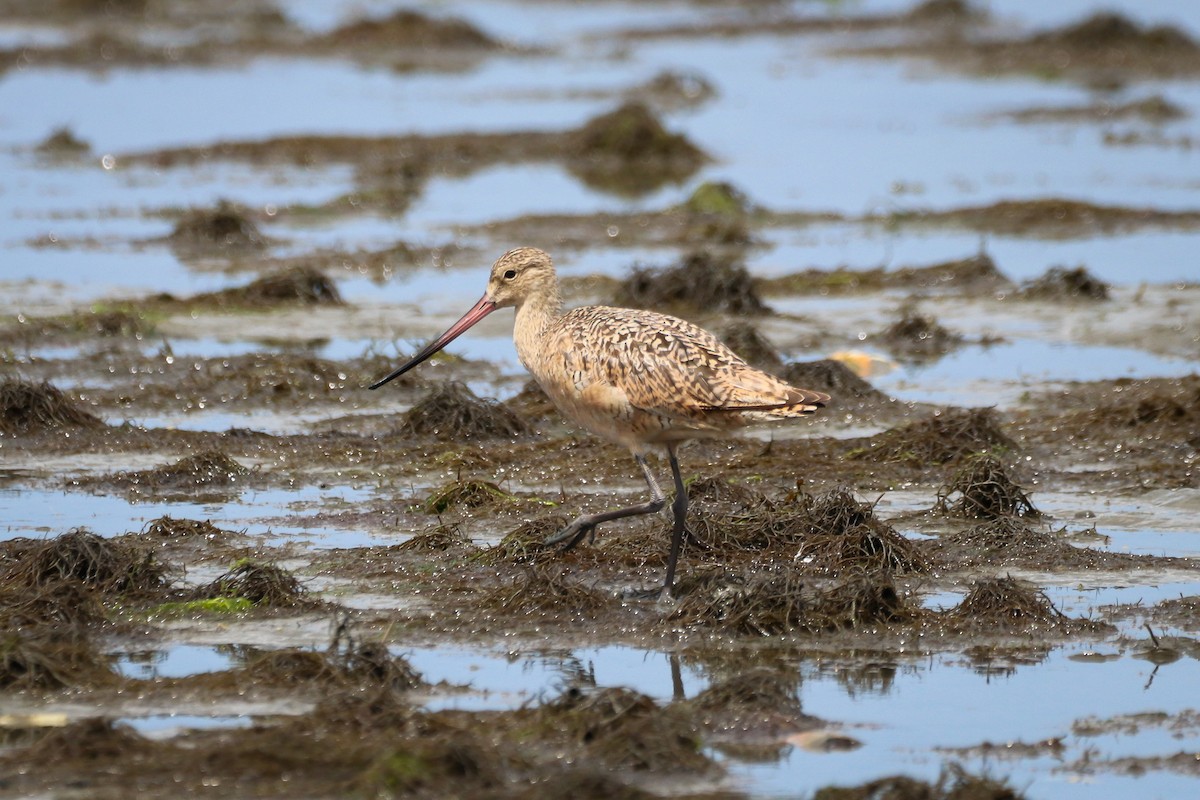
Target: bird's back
(643, 377)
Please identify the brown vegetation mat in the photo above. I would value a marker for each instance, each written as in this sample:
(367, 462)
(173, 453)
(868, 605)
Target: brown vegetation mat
(982, 489)
(847, 389)
(107, 566)
(701, 283)
(1102, 45)
(452, 412)
(169, 527)
(602, 152)
(264, 585)
(295, 286)
(626, 151)
(830, 534)
(403, 40)
(972, 275)
(210, 469)
(955, 784)
(226, 226)
(623, 729)
(347, 664)
(944, 437)
(525, 544)
(1154, 109)
(1061, 283)
(471, 494)
(917, 336)
(44, 659)
(786, 602)
(744, 339)
(545, 590)
(440, 538)
(1166, 410)
(1052, 217)
(533, 404)
(1010, 542)
(27, 407)
(1006, 603)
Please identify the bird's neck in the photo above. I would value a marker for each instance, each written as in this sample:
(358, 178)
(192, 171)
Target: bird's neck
(533, 317)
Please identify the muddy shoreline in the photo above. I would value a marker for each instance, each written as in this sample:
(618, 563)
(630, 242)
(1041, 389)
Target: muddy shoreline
(229, 569)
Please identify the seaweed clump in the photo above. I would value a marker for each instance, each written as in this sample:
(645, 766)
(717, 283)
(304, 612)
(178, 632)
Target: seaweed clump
(262, 585)
(918, 336)
(772, 605)
(298, 286)
(939, 439)
(466, 494)
(525, 544)
(27, 407)
(210, 469)
(451, 411)
(701, 282)
(406, 28)
(1060, 283)
(956, 784)
(744, 339)
(63, 143)
(628, 151)
(844, 536)
(982, 489)
(227, 226)
(835, 379)
(1005, 602)
(545, 591)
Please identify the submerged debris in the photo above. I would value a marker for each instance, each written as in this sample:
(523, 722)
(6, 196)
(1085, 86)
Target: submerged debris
(984, 491)
(27, 407)
(451, 411)
(1061, 283)
(944, 437)
(701, 282)
(226, 226)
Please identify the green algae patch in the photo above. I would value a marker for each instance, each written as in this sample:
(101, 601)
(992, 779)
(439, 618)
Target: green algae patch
(211, 606)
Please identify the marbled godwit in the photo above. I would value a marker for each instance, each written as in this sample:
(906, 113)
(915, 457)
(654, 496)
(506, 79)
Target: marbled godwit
(637, 378)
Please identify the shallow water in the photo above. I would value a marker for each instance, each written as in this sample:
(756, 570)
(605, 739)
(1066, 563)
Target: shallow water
(794, 128)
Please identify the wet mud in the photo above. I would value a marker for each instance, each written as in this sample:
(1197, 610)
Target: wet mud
(315, 539)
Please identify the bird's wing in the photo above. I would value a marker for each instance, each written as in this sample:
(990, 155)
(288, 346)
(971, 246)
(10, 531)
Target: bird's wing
(668, 366)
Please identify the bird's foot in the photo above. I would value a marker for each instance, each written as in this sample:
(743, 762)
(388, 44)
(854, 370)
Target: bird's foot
(573, 534)
(660, 594)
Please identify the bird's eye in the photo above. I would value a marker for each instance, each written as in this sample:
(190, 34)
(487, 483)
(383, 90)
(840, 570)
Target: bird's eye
(509, 274)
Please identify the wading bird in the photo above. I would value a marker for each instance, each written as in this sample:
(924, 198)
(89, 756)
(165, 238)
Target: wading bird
(637, 378)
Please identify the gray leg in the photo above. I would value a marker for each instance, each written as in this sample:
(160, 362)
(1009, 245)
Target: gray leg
(679, 507)
(586, 524)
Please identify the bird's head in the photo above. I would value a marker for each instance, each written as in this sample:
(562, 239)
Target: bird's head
(518, 275)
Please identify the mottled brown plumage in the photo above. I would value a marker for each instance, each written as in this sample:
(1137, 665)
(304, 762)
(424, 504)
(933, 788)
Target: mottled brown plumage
(638, 378)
